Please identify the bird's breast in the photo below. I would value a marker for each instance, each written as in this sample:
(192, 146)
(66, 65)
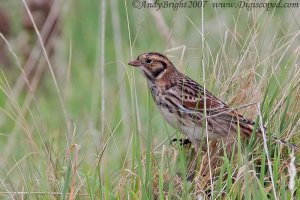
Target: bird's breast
(156, 93)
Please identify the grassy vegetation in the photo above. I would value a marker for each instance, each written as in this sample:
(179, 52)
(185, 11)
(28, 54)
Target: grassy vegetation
(98, 135)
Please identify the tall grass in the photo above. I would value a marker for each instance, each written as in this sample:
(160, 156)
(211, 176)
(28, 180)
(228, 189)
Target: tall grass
(56, 146)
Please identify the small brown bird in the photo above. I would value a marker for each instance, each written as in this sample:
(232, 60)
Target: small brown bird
(181, 102)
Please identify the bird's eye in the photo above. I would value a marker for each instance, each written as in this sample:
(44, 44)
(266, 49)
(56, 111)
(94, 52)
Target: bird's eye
(148, 61)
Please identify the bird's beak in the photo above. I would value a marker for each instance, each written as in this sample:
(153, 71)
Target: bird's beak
(135, 63)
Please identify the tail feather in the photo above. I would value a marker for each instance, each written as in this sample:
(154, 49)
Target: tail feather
(247, 128)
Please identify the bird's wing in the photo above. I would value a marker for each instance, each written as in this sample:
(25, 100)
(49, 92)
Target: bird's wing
(190, 95)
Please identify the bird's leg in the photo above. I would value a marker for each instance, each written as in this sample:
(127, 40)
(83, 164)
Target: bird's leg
(183, 142)
(196, 146)
(193, 162)
(186, 143)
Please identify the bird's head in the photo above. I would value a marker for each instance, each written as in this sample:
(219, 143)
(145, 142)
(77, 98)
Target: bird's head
(153, 65)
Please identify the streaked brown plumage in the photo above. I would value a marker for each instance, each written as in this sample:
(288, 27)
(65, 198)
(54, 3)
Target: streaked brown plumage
(181, 102)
